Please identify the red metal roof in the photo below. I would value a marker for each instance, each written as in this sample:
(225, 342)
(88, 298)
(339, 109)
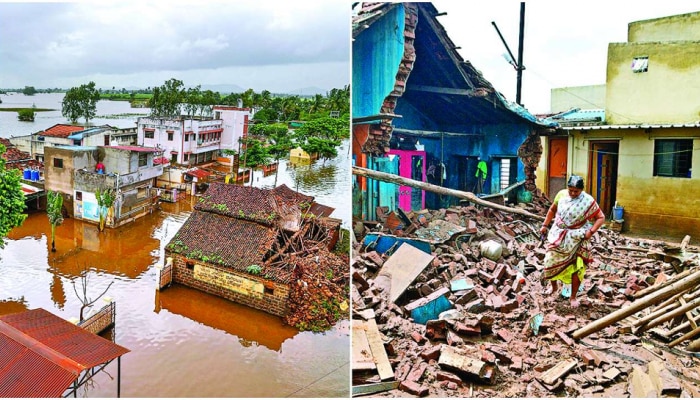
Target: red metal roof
(140, 149)
(198, 173)
(42, 354)
(62, 130)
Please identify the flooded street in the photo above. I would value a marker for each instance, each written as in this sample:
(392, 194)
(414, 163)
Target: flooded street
(183, 343)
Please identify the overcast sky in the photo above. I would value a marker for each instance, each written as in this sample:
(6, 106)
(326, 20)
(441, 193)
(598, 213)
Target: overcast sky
(566, 42)
(280, 46)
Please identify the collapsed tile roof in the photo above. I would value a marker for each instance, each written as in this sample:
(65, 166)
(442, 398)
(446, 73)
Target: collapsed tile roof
(236, 226)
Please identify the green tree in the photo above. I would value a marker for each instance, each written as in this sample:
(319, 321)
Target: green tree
(325, 148)
(54, 209)
(81, 101)
(255, 154)
(281, 143)
(26, 114)
(105, 200)
(11, 199)
(167, 99)
(29, 91)
(325, 128)
(193, 98)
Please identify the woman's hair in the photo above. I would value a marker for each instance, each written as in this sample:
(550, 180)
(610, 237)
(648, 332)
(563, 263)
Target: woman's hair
(575, 181)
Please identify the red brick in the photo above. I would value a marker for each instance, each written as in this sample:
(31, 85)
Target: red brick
(505, 335)
(417, 337)
(449, 377)
(414, 388)
(431, 353)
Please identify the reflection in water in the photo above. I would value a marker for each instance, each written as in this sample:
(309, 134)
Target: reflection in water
(192, 344)
(250, 325)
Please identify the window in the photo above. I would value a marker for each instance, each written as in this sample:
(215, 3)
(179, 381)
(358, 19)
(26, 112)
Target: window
(187, 138)
(149, 134)
(79, 196)
(189, 265)
(673, 157)
(170, 136)
(58, 163)
(143, 159)
(640, 64)
(186, 157)
(141, 193)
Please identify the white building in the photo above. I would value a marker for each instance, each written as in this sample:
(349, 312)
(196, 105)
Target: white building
(194, 141)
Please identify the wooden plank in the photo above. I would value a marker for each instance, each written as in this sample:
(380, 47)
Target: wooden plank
(688, 314)
(403, 267)
(361, 353)
(665, 383)
(378, 351)
(361, 390)
(558, 371)
(453, 359)
(640, 384)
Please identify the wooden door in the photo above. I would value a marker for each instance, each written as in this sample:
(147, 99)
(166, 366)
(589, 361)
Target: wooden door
(558, 153)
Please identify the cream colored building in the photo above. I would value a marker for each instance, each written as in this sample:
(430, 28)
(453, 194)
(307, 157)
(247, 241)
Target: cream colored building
(645, 154)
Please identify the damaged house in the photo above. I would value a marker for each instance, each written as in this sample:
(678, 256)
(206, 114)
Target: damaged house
(422, 112)
(245, 244)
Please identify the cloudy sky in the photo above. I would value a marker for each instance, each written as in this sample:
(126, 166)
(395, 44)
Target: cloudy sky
(280, 46)
(566, 42)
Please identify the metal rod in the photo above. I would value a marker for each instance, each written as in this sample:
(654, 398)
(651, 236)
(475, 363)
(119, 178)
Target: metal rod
(504, 43)
(119, 376)
(520, 68)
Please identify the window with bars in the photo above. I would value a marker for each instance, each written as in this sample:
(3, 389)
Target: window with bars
(673, 157)
(508, 172)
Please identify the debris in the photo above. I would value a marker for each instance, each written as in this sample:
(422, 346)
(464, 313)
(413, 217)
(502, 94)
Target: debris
(429, 307)
(455, 359)
(551, 376)
(403, 267)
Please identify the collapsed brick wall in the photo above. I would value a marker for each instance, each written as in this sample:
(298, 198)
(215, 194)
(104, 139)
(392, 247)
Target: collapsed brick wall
(380, 134)
(530, 153)
(275, 303)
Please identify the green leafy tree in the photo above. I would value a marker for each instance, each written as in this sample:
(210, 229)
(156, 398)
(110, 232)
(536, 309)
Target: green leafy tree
(11, 199)
(325, 128)
(54, 209)
(266, 116)
(255, 154)
(105, 200)
(325, 148)
(29, 91)
(167, 99)
(81, 101)
(208, 100)
(193, 98)
(26, 114)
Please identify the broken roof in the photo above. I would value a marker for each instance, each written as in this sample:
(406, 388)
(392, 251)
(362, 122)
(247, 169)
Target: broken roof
(42, 354)
(432, 76)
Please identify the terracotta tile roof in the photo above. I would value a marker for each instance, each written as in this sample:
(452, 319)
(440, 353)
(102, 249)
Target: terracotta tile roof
(61, 130)
(198, 173)
(232, 242)
(17, 159)
(244, 202)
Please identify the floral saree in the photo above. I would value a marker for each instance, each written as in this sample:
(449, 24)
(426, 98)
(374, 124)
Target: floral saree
(565, 241)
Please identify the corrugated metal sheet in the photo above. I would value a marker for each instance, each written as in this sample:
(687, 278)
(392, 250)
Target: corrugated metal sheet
(42, 354)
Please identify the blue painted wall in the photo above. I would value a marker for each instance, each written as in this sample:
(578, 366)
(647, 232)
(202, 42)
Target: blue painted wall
(490, 142)
(376, 55)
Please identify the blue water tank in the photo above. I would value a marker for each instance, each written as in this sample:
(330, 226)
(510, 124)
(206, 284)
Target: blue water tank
(35, 175)
(27, 174)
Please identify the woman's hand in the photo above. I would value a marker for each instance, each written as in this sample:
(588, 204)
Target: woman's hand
(543, 230)
(588, 234)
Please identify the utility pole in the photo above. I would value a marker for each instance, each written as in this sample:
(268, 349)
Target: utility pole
(519, 67)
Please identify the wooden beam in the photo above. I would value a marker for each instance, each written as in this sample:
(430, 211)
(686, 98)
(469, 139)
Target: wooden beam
(639, 305)
(371, 388)
(446, 90)
(391, 178)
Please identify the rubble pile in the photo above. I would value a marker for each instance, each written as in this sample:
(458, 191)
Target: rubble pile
(469, 317)
(320, 282)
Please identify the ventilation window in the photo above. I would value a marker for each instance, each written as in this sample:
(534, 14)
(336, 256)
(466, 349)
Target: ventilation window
(640, 64)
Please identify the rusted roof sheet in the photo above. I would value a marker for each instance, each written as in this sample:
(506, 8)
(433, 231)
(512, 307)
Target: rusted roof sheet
(42, 354)
(198, 173)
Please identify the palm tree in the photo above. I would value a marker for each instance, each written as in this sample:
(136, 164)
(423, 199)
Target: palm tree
(54, 209)
(105, 199)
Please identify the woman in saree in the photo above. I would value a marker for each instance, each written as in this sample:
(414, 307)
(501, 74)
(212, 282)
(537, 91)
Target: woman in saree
(577, 217)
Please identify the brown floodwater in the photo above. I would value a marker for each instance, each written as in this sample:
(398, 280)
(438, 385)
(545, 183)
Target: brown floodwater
(184, 343)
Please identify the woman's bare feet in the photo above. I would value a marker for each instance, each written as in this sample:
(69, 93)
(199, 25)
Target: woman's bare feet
(574, 303)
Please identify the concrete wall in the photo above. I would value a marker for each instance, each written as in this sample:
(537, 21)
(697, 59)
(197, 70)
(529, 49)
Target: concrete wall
(650, 202)
(660, 95)
(275, 303)
(584, 97)
(665, 29)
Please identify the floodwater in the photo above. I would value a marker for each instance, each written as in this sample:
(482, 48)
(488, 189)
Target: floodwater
(183, 343)
(114, 113)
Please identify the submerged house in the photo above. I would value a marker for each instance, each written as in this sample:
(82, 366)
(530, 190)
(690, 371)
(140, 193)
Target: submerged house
(130, 171)
(640, 147)
(231, 244)
(423, 112)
